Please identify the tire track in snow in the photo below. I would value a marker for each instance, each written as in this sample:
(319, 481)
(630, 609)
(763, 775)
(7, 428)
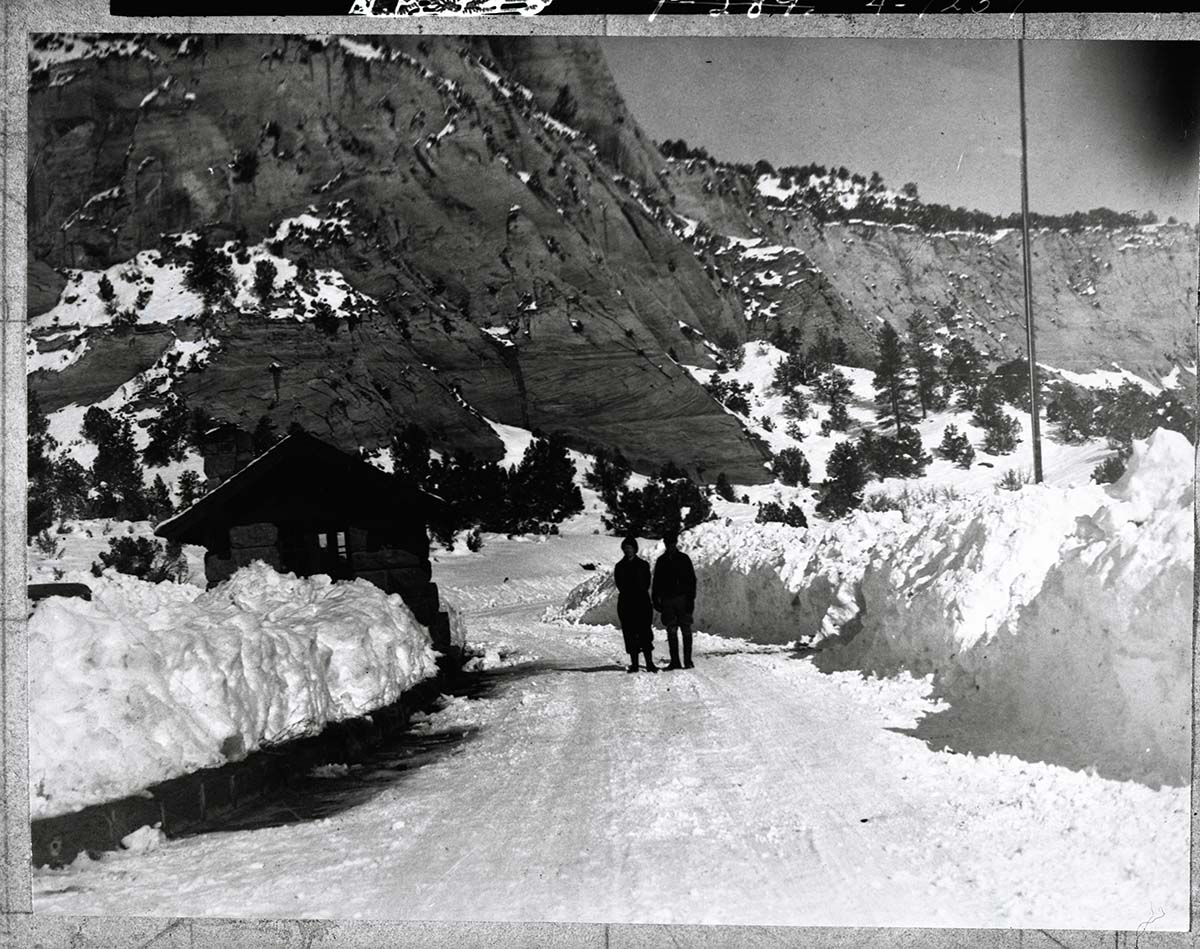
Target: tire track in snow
(805, 744)
(543, 832)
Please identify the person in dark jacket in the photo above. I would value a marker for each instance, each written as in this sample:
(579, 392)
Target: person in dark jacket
(674, 595)
(632, 577)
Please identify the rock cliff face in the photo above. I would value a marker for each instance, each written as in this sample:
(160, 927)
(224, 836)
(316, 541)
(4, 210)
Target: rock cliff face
(466, 230)
(509, 273)
(1100, 295)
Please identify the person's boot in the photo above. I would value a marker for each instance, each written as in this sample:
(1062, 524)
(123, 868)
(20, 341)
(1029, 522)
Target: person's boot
(633, 662)
(650, 666)
(687, 649)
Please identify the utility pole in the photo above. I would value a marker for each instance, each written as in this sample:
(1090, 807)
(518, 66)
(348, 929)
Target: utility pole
(1034, 400)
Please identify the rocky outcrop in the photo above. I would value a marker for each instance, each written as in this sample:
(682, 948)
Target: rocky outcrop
(1100, 295)
(471, 208)
(570, 80)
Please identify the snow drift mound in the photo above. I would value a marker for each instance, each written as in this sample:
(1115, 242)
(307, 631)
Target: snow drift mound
(149, 681)
(1055, 622)
(1052, 633)
(595, 597)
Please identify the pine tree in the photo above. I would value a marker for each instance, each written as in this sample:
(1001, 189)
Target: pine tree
(790, 340)
(956, 447)
(869, 451)
(325, 319)
(724, 488)
(964, 372)
(189, 489)
(839, 351)
(168, 432)
(773, 512)
(143, 558)
(40, 504)
(208, 273)
(791, 467)
(895, 456)
(410, 450)
(846, 479)
(475, 492)
(790, 371)
(922, 355)
(116, 473)
(839, 418)
(609, 475)
(670, 501)
(729, 393)
(70, 487)
(1129, 411)
(893, 381)
(200, 424)
(265, 272)
(1110, 469)
(1001, 433)
(1012, 380)
(730, 350)
(832, 386)
(542, 489)
(796, 406)
(1074, 410)
(1175, 413)
(158, 500)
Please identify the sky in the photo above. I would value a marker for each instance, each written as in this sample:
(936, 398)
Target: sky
(1110, 123)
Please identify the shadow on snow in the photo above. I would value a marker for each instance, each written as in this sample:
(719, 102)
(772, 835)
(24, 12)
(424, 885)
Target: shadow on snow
(308, 797)
(967, 727)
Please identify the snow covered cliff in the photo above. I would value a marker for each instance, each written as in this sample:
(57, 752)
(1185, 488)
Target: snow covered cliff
(1062, 616)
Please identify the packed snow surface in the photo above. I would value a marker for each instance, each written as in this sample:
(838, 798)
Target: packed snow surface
(1060, 617)
(757, 788)
(149, 681)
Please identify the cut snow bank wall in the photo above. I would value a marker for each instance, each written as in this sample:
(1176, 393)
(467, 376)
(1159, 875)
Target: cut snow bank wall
(1062, 616)
(149, 681)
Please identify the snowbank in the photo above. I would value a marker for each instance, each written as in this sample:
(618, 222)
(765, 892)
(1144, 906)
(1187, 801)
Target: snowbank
(1060, 615)
(149, 681)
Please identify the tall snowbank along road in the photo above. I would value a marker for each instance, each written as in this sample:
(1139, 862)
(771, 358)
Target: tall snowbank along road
(1055, 622)
(149, 681)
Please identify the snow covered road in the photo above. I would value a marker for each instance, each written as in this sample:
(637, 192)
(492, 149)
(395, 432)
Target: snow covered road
(752, 789)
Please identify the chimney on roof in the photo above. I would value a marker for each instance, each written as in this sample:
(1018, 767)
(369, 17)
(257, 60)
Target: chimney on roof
(226, 449)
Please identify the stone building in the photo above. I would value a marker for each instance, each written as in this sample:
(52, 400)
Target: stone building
(307, 508)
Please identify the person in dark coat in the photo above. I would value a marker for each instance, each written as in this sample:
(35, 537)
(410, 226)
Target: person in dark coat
(632, 577)
(673, 594)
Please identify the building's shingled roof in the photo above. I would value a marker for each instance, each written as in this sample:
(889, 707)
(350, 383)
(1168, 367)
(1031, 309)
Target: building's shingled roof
(296, 447)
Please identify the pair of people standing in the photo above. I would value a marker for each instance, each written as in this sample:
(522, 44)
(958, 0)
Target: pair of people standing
(671, 591)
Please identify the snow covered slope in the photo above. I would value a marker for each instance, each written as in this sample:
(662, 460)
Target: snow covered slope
(1063, 615)
(149, 681)
(78, 543)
